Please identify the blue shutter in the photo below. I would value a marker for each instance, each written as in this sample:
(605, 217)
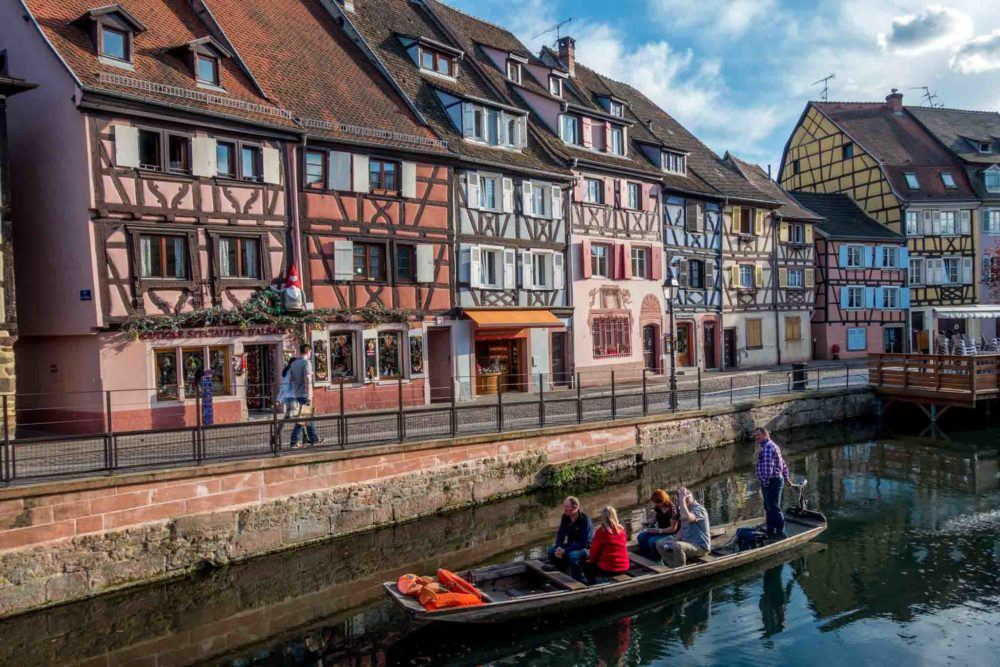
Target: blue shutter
(878, 257)
(869, 256)
(843, 295)
(869, 297)
(903, 253)
(878, 298)
(904, 297)
(843, 257)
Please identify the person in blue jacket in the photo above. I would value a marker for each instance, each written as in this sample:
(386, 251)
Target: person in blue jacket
(572, 540)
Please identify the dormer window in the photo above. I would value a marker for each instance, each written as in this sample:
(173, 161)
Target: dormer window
(204, 57)
(991, 179)
(674, 163)
(569, 130)
(617, 109)
(617, 146)
(948, 180)
(911, 180)
(555, 86)
(112, 31)
(514, 71)
(495, 127)
(985, 147)
(436, 61)
(207, 69)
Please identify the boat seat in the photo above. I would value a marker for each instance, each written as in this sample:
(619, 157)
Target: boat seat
(717, 532)
(555, 576)
(620, 578)
(646, 563)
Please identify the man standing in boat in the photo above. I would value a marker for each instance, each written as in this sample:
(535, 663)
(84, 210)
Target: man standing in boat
(695, 535)
(573, 539)
(772, 473)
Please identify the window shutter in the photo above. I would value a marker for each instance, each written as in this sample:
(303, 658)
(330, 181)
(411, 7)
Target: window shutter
(145, 255)
(928, 222)
(809, 278)
(360, 181)
(509, 268)
(699, 218)
(879, 263)
(758, 276)
(558, 271)
(930, 272)
(869, 257)
(472, 189)
(626, 260)
(527, 270)
(879, 298)
(809, 234)
(425, 263)
(463, 263)
(734, 220)
(585, 258)
(842, 259)
(607, 138)
(224, 268)
(904, 257)
(588, 133)
(557, 202)
(682, 273)
(869, 297)
(614, 255)
(734, 276)
(710, 274)
(522, 132)
(475, 266)
(180, 252)
(507, 196)
(468, 120)
(126, 145)
(759, 222)
(691, 216)
(272, 165)
(904, 297)
(968, 275)
(527, 192)
(339, 176)
(782, 277)
(409, 180)
(204, 159)
(343, 260)
(783, 230)
(936, 223)
(844, 296)
(609, 191)
(966, 221)
(657, 269)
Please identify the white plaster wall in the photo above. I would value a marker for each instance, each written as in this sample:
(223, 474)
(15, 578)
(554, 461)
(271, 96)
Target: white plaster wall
(464, 357)
(765, 356)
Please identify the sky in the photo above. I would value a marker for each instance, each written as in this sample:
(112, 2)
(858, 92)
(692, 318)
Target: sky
(738, 73)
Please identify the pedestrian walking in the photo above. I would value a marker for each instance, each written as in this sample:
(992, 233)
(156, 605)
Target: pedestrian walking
(299, 398)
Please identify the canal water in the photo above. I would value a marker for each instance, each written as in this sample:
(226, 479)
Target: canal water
(908, 572)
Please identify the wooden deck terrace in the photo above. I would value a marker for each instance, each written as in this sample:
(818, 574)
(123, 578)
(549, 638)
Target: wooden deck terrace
(934, 379)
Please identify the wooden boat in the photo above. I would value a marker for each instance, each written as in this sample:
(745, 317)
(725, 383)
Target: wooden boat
(520, 590)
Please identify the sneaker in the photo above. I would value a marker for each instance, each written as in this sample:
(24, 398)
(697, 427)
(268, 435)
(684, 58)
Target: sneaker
(294, 445)
(318, 442)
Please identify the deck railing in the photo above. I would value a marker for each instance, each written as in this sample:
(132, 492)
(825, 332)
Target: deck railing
(963, 376)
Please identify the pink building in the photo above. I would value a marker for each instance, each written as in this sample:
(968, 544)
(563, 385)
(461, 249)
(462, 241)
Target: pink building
(861, 292)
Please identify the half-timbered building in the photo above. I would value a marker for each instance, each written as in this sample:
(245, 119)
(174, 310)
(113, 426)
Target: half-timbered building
(886, 161)
(513, 312)
(973, 137)
(372, 192)
(861, 293)
(792, 262)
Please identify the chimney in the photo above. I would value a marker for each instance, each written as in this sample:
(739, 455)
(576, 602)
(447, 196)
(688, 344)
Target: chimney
(567, 54)
(348, 5)
(894, 101)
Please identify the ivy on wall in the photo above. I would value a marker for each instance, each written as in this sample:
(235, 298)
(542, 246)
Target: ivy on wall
(264, 308)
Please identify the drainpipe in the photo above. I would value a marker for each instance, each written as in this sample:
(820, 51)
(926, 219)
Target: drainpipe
(774, 282)
(292, 178)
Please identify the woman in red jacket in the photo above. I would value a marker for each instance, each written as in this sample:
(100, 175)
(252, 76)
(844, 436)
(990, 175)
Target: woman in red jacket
(608, 555)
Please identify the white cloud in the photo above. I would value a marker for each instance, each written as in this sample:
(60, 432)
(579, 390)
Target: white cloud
(727, 17)
(981, 54)
(933, 29)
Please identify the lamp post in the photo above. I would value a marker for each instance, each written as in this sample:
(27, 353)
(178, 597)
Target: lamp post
(669, 293)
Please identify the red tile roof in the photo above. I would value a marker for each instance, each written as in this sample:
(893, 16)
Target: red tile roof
(902, 145)
(757, 177)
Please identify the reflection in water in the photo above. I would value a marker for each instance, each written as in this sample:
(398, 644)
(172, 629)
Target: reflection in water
(908, 572)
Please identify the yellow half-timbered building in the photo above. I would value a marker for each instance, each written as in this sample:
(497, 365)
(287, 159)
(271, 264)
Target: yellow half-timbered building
(880, 156)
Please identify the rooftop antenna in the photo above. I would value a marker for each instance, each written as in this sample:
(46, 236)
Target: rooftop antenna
(557, 28)
(929, 97)
(825, 95)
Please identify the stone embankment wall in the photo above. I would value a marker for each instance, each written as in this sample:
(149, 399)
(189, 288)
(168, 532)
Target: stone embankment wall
(72, 539)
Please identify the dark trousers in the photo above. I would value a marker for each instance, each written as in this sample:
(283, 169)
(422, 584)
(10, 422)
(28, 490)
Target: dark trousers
(573, 559)
(772, 506)
(591, 572)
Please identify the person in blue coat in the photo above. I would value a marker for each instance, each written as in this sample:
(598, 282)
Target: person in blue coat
(573, 539)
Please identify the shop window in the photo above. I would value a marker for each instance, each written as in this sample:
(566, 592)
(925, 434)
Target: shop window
(225, 158)
(599, 260)
(342, 356)
(239, 257)
(755, 335)
(192, 362)
(612, 337)
(416, 355)
(793, 329)
(315, 169)
(390, 355)
(406, 264)
(369, 261)
(166, 375)
(383, 176)
(163, 257)
(640, 262)
(321, 359)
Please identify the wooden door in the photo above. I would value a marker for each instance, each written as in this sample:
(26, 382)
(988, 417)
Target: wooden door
(560, 374)
(709, 344)
(729, 343)
(650, 348)
(439, 364)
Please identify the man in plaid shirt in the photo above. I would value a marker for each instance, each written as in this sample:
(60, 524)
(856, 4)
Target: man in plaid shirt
(772, 473)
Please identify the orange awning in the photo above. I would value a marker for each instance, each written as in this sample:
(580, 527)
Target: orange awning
(510, 319)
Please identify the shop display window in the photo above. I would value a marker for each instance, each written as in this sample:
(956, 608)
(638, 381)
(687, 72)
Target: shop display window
(191, 361)
(321, 360)
(390, 364)
(342, 356)
(416, 355)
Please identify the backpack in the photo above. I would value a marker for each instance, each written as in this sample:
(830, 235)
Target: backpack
(749, 538)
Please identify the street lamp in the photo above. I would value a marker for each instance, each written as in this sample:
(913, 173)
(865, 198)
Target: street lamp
(670, 293)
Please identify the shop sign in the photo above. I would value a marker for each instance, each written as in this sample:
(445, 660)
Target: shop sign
(219, 332)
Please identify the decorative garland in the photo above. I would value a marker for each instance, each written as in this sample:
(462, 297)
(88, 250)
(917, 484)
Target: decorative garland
(265, 307)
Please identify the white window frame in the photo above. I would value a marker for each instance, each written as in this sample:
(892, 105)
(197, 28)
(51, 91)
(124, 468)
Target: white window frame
(541, 270)
(890, 257)
(555, 86)
(887, 302)
(913, 223)
(497, 192)
(796, 278)
(853, 290)
(587, 198)
(957, 262)
(490, 251)
(564, 122)
(992, 174)
(949, 223)
(514, 71)
(541, 194)
(635, 188)
(747, 271)
(646, 255)
(991, 221)
(860, 264)
(797, 233)
(920, 271)
(673, 163)
(616, 109)
(595, 262)
(617, 146)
